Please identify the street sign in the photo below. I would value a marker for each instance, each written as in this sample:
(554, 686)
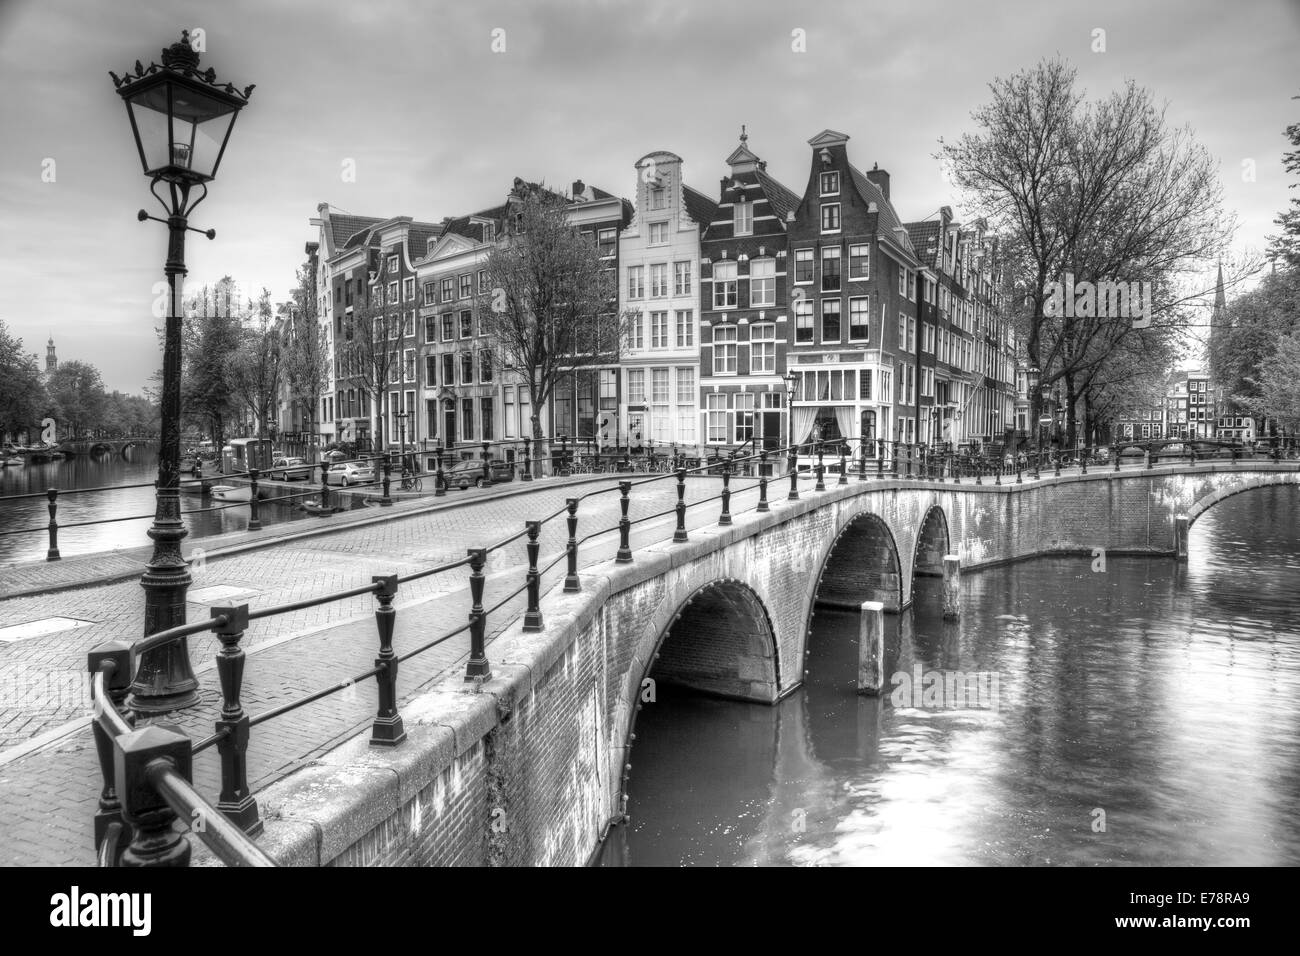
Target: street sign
(1045, 420)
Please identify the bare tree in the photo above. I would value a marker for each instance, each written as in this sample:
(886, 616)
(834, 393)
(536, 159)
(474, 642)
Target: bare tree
(306, 353)
(1098, 190)
(255, 365)
(551, 304)
(372, 348)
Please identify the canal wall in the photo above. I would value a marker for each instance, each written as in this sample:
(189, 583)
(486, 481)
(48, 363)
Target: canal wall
(530, 767)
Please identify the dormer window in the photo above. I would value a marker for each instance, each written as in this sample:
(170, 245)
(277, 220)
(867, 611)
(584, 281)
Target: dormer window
(392, 264)
(489, 231)
(658, 197)
(830, 183)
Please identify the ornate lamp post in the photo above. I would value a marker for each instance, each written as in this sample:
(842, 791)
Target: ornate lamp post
(181, 120)
(791, 380)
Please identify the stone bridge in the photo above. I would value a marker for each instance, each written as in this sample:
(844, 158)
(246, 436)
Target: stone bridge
(530, 767)
(95, 446)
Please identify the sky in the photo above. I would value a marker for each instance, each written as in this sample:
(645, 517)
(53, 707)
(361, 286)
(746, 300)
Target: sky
(437, 106)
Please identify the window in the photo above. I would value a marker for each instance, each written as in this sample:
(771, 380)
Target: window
(466, 324)
(803, 265)
(394, 367)
(685, 328)
(830, 183)
(408, 289)
(636, 386)
(430, 371)
(508, 410)
(482, 281)
(659, 280)
(860, 262)
(927, 382)
(448, 370)
(408, 366)
(743, 218)
(762, 283)
(724, 285)
(762, 348)
(716, 403)
(744, 405)
(448, 327)
(902, 332)
(485, 415)
(724, 350)
(467, 419)
(466, 285)
(831, 269)
(902, 282)
(830, 217)
(636, 331)
(658, 197)
(681, 278)
(392, 291)
(467, 368)
(686, 404)
(864, 385)
(605, 240)
(859, 319)
(803, 320)
(485, 365)
(927, 338)
(659, 386)
(636, 282)
(408, 325)
(430, 328)
(659, 330)
(658, 233)
(392, 264)
(448, 289)
(830, 320)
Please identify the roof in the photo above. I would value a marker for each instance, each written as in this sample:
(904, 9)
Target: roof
(343, 227)
(698, 206)
(925, 240)
(869, 191)
(782, 200)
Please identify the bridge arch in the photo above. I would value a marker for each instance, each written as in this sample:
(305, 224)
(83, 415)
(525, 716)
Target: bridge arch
(1257, 480)
(933, 541)
(861, 564)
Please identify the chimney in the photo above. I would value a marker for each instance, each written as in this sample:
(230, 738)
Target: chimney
(579, 188)
(881, 178)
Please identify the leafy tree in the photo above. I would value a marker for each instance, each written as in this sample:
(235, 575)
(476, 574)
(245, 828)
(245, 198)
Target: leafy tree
(551, 306)
(1099, 190)
(1285, 247)
(22, 392)
(212, 334)
(1255, 325)
(76, 398)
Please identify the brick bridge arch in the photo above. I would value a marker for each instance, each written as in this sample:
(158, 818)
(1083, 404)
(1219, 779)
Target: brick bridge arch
(1227, 489)
(933, 541)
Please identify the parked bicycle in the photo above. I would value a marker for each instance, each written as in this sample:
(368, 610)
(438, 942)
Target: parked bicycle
(411, 482)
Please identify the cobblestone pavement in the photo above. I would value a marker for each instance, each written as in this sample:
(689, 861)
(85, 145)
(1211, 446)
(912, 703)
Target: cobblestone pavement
(51, 790)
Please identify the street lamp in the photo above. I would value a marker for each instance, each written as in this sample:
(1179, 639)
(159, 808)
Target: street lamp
(791, 379)
(181, 120)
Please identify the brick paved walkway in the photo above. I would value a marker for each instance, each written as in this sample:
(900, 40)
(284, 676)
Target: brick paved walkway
(50, 791)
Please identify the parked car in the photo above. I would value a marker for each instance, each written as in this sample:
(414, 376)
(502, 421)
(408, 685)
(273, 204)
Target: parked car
(462, 474)
(349, 473)
(289, 469)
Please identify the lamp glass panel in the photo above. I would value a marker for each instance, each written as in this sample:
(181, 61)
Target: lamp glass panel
(200, 123)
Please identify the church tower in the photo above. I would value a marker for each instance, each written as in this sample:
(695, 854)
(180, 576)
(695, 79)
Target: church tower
(51, 360)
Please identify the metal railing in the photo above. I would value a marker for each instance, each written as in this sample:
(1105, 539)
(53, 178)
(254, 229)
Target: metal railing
(146, 771)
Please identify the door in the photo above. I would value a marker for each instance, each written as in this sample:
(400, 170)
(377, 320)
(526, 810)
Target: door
(636, 431)
(771, 425)
(449, 424)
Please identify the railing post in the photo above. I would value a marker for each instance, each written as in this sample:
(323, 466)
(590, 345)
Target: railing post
(1115, 452)
(53, 553)
(571, 582)
(528, 462)
(236, 802)
(439, 483)
(1146, 456)
(762, 482)
(844, 474)
(1234, 455)
(533, 616)
(911, 453)
(821, 469)
(137, 755)
(679, 535)
(794, 475)
(1083, 461)
(114, 659)
(487, 458)
(1018, 470)
(478, 665)
(997, 475)
(956, 470)
(254, 521)
(387, 730)
(979, 472)
(880, 458)
(624, 525)
(1056, 463)
(725, 517)
(324, 485)
(862, 460)
(387, 498)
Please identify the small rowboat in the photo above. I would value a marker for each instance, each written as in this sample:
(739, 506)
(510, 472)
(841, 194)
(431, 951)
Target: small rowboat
(231, 492)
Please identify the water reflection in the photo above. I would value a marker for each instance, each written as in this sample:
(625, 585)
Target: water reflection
(138, 466)
(1165, 697)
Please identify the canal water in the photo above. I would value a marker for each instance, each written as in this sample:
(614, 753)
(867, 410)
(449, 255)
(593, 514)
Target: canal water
(1144, 714)
(138, 466)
